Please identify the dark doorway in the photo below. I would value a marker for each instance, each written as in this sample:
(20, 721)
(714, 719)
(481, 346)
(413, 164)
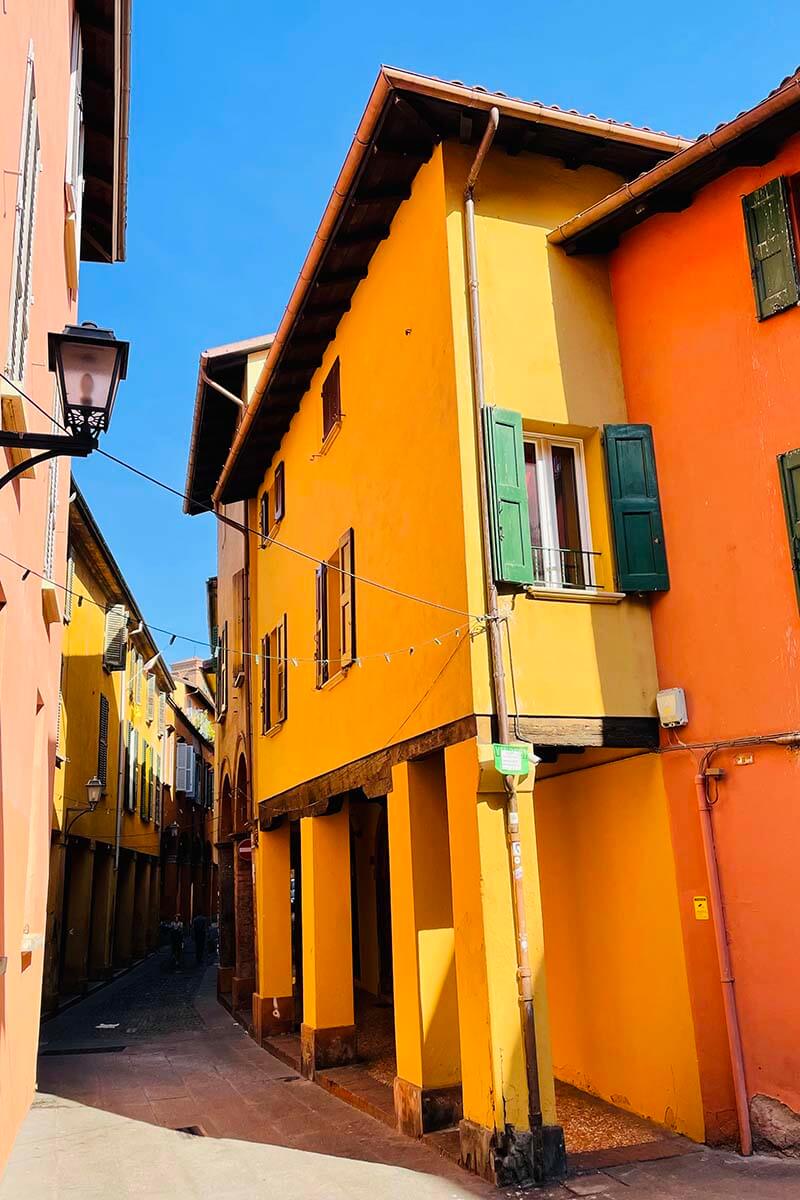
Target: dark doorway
(297, 922)
(383, 906)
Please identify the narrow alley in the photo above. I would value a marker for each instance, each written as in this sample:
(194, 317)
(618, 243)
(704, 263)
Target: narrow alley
(149, 1088)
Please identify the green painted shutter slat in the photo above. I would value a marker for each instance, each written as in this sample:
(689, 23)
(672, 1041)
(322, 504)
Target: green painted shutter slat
(509, 519)
(770, 244)
(789, 467)
(636, 509)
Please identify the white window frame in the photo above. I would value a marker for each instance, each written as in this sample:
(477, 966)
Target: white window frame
(73, 174)
(24, 228)
(551, 557)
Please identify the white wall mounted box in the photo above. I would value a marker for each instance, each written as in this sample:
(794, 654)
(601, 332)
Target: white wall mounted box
(671, 705)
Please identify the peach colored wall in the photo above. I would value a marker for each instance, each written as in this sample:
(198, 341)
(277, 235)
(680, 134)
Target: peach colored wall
(720, 390)
(29, 650)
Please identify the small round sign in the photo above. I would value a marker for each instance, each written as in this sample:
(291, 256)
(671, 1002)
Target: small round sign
(246, 848)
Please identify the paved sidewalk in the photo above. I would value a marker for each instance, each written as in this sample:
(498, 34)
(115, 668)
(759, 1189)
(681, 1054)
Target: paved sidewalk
(166, 1057)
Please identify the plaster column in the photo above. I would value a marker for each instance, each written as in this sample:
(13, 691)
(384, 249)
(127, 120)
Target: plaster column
(154, 908)
(55, 916)
(427, 1088)
(244, 975)
(273, 1001)
(328, 1032)
(169, 893)
(102, 914)
(77, 916)
(123, 920)
(495, 1091)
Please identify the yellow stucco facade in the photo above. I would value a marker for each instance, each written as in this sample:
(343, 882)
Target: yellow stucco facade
(377, 805)
(104, 884)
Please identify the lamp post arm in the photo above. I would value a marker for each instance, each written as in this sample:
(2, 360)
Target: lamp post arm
(52, 446)
(80, 812)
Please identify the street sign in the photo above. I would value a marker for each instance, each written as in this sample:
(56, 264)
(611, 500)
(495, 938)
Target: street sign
(511, 760)
(246, 848)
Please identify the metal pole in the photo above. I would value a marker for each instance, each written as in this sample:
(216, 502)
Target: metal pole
(524, 978)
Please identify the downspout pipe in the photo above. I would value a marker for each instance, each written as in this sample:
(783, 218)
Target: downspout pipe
(524, 976)
(732, 1025)
(217, 387)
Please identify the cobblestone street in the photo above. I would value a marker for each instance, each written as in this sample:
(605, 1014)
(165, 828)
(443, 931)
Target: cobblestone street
(126, 1075)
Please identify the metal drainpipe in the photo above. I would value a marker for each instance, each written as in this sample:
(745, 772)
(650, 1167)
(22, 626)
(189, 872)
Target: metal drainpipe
(732, 1026)
(524, 980)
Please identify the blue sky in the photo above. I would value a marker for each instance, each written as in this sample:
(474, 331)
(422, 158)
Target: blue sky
(241, 114)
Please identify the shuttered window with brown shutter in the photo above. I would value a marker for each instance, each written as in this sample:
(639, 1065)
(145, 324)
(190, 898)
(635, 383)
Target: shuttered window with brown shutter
(336, 611)
(331, 400)
(274, 693)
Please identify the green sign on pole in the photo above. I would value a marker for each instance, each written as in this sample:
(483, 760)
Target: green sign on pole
(511, 760)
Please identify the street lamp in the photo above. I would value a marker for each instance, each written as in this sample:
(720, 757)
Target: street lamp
(89, 364)
(94, 790)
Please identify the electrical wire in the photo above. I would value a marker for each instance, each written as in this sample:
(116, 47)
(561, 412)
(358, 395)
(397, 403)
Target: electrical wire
(243, 528)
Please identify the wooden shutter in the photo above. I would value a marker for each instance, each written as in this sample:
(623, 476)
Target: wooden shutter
(265, 676)
(222, 673)
(279, 492)
(321, 648)
(331, 400)
(509, 519)
(182, 767)
(789, 468)
(162, 713)
(143, 782)
(151, 697)
(133, 772)
(264, 517)
(636, 509)
(278, 665)
(102, 742)
(210, 787)
(69, 582)
(770, 243)
(347, 599)
(115, 642)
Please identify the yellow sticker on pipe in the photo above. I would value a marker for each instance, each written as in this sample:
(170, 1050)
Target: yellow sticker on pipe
(700, 908)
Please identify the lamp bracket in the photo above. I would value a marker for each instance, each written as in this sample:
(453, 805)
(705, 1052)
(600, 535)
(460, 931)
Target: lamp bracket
(52, 445)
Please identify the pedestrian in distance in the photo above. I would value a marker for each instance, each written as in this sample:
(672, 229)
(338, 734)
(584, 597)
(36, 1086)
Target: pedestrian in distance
(176, 941)
(199, 929)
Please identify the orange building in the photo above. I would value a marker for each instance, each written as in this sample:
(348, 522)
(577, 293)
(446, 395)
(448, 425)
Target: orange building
(64, 86)
(705, 271)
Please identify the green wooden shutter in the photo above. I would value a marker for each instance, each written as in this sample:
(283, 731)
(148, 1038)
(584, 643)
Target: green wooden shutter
(636, 509)
(773, 265)
(789, 467)
(509, 519)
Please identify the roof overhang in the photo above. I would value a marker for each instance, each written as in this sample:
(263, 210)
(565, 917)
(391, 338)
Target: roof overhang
(106, 87)
(406, 116)
(216, 417)
(751, 139)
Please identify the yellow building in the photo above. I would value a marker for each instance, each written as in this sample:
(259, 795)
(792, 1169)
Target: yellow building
(394, 861)
(103, 899)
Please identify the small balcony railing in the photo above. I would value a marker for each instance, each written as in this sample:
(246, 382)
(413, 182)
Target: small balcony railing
(576, 570)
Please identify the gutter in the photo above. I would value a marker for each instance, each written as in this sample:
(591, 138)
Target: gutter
(705, 148)
(391, 79)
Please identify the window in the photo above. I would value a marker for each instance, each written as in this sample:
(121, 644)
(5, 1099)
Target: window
(132, 773)
(102, 742)
(209, 785)
(274, 677)
(162, 713)
(331, 401)
(789, 469)
(70, 583)
(22, 261)
(558, 516)
(222, 683)
(50, 524)
(336, 611)
(115, 642)
(73, 175)
(143, 769)
(157, 790)
(151, 698)
(273, 504)
(770, 242)
(239, 627)
(539, 523)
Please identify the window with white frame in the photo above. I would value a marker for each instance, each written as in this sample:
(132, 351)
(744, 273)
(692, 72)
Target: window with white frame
(73, 175)
(555, 477)
(22, 261)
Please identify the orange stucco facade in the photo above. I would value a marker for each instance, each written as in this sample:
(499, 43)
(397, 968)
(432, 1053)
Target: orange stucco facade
(719, 389)
(30, 649)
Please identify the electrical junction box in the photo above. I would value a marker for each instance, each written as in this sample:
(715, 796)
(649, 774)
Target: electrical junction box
(671, 705)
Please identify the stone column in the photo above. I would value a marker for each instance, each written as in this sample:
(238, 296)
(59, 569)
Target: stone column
(154, 914)
(123, 918)
(244, 975)
(77, 916)
(102, 913)
(141, 907)
(55, 916)
(427, 1088)
(494, 1138)
(273, 1001)
(328, 1032)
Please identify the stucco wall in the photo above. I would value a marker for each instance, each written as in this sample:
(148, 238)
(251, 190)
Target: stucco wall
(620, 1015)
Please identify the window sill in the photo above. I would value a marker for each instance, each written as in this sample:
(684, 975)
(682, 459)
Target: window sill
(574, 595)
(273, 729)
(330, 439)
(334, 680)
